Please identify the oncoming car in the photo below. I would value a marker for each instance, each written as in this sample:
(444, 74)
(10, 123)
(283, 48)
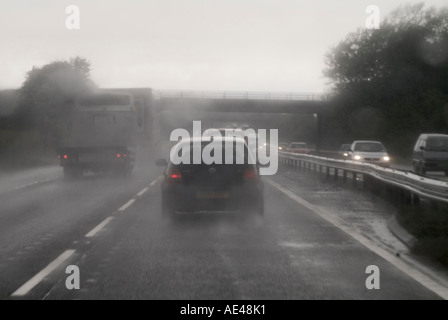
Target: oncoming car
(230, 185)
(343, 150)
(283, 146)
(369, 151)
(298, 147)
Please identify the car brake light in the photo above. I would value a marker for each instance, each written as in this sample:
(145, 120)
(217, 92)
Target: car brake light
(250, 173)
(118, 155)
(65, 156)
(174, 175)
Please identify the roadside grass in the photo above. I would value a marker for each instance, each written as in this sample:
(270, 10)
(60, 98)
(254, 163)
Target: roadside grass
(429, 224)
(24, 149)
(24, 160)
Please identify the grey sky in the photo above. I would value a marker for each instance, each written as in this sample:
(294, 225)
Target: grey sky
(254, 45)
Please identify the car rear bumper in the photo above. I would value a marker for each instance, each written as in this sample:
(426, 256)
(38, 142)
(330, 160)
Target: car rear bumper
(181, 199)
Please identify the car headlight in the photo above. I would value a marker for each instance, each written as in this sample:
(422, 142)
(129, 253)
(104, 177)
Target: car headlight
(386, 158)
(345, 154)
(357, 157)
(280, 148)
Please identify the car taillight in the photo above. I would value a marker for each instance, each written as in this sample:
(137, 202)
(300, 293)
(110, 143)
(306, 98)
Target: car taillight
(121, 155)
(174, 175)
(250, 173)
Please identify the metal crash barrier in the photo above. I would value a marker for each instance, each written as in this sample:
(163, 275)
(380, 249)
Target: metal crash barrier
(404, 186)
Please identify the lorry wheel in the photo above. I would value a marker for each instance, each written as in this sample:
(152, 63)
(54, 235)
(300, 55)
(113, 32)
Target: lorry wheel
(123, 172)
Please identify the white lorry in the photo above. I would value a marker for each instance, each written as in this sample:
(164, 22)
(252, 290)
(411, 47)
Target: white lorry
(102, 136)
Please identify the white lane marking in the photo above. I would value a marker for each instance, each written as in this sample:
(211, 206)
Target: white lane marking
(418, 276)
(98, 227)
(32, 184)
(155, 181)
(30, 284)
(126, 205)
(142, 192)
(298, 245)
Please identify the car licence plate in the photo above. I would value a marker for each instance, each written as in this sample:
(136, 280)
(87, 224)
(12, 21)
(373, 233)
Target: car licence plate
(212, 194)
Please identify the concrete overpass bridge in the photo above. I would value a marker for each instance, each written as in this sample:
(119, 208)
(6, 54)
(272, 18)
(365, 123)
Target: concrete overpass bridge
(242, 101)
(227, 104)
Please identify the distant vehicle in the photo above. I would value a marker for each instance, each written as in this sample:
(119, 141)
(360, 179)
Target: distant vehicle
(283, 146)
(225, 131)
(298, 147)
(369, 151)
(343, 150)
(430, 153)
(102, 136)
(212, 188)
(236, 132)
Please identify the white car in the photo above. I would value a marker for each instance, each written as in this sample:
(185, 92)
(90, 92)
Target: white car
(369, 151)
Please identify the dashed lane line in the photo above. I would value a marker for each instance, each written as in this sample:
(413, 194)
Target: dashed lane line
(98, 227)
(126, 205)
(34, 281)
(142, 192)
(155, 181)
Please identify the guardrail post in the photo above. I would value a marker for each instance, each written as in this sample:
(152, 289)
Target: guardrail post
(415, 199)
(344, 176)
(336, 173)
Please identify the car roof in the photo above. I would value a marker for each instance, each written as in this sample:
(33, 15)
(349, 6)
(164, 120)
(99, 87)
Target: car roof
(369, 141)
(433, 135)
(207, 139)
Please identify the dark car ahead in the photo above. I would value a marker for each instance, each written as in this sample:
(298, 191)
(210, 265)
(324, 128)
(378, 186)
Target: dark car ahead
(212, 187)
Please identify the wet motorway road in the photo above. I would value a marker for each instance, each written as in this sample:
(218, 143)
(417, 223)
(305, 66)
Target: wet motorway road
(112, 230)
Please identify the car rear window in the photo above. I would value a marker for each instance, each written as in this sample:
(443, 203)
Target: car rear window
(237, 154)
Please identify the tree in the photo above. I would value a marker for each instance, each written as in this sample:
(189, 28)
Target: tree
(48, 94)
(396, 76)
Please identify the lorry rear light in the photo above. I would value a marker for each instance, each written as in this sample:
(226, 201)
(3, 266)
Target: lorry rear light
(250, 173)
